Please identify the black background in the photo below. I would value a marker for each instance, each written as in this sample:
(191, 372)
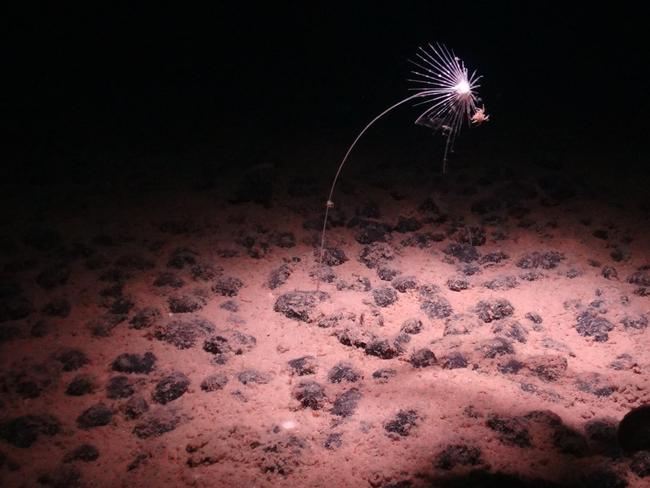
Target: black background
(121, 82)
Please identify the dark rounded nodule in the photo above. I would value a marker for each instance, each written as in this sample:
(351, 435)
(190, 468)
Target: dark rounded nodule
(634, 430)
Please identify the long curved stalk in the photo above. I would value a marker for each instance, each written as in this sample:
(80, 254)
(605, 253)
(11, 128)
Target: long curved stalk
(329, 202)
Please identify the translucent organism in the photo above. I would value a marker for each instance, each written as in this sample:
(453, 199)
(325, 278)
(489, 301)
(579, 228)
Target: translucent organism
(443, 84)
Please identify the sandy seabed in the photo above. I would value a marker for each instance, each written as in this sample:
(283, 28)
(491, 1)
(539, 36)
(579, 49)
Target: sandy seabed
(490, 331)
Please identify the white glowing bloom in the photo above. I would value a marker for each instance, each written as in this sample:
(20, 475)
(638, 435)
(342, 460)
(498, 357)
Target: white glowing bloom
(444, 83)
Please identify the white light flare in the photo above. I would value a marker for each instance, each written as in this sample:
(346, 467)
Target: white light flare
(463, 88)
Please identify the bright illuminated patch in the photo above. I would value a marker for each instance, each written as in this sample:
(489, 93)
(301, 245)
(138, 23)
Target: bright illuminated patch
(288, 425)
(463, 88)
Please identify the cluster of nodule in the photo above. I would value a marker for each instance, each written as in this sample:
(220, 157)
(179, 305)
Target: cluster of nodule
(539, 354)
(135, 289)
(164, 304)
